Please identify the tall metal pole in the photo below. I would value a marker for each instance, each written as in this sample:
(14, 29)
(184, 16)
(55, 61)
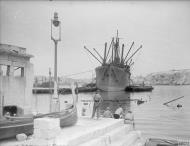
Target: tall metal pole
(1, 93)
(55, 69)
(55, 103)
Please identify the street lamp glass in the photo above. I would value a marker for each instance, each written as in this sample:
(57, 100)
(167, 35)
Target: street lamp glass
(56, 23)
(55, 20)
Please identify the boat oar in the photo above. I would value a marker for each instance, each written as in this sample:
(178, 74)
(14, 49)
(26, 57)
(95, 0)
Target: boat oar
(172, 100)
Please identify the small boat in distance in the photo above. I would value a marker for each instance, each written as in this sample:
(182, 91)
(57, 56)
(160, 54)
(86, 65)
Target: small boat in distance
(114, 72)
(139, 88)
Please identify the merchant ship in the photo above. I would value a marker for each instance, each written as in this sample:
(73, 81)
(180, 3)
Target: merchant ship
(114, 72)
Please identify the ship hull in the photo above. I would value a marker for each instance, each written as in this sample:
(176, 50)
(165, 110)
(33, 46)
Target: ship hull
(112, 78)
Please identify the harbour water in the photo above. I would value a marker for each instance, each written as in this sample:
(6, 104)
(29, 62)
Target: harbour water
(152, 117)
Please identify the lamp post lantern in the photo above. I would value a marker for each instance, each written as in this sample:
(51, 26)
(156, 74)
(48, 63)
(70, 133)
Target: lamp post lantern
(56, 37)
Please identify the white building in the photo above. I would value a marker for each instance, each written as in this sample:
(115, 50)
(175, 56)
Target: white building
(16, 77)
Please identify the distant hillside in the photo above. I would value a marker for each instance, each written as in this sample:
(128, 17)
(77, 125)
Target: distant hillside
(173, 77)
(43, 81)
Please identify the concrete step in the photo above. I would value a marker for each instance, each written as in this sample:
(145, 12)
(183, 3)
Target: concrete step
(108, 138)
(89, 132)
(86, 131)
(127, 140)
(139, 142)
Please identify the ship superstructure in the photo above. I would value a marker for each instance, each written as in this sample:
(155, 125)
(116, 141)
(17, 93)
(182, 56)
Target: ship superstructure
(114, 72)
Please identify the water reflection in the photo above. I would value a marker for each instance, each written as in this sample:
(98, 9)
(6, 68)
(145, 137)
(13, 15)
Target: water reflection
(152, 117)
(114, 99)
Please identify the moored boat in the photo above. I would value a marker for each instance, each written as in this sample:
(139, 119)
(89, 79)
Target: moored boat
(67, 117)
(10, 125)
(14, 122)
(139, 88)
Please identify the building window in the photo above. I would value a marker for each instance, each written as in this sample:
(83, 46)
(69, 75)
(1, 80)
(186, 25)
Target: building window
(5, 70)
(18, 71)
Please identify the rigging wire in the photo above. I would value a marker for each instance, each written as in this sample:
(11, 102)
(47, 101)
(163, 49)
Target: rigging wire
(79, 73)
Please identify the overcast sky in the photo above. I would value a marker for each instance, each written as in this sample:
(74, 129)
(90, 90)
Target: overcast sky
(163, 28)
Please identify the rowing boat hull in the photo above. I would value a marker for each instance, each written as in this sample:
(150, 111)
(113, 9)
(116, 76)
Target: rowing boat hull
(67, 117)
(10, 128)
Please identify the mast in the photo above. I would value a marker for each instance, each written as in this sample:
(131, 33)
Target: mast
(134, 53)
(112, 55)
(128, 51)
(109, 47)
(116, 50)
(105, 51)
(98, 54)
(92, 54)
(122, 53)
(130, 62)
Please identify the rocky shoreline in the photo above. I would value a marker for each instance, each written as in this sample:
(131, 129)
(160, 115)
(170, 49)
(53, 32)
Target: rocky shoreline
(172, 77)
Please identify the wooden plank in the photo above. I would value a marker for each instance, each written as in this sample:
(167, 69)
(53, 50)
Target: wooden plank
(173, 100)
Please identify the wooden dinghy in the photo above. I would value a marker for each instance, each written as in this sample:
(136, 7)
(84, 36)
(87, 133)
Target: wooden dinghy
(68, 117)
(11, 126)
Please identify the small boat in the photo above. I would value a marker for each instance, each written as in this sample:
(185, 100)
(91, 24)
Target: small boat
(10, 126)
(67, 117)
(139, 88)
(165, 142)
(140, 102)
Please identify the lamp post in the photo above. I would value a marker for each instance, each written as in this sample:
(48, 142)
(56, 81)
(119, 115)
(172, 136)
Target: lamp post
(1, 93)
(56, 37)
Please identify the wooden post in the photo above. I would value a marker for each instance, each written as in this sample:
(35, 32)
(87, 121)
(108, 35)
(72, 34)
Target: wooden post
(172, 100)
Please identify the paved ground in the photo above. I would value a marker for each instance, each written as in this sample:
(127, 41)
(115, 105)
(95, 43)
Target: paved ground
(85, 129)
